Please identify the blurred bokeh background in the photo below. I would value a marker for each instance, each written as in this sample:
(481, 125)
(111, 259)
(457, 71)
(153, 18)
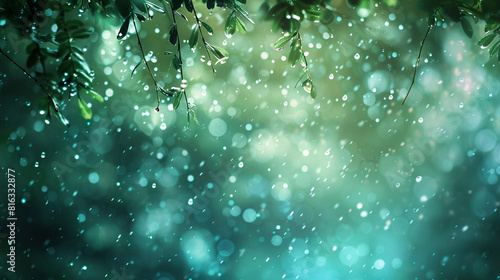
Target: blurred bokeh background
(271, 184)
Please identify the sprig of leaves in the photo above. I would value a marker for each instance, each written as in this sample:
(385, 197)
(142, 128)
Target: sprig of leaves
(295, 56)
(197, 31)
(77, 76)
(492, 33)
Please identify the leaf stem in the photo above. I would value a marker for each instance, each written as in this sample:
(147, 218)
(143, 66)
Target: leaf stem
(416, 64)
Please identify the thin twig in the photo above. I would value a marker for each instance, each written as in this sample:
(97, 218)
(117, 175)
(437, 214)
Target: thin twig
(178, 40)
(56, 108)
(146, 62)
(203, 40)
(70, 48)
(306, 66)
(180, 58)
(416, 64)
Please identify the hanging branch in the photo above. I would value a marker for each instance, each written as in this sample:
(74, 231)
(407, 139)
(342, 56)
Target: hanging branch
(182, 90)
(416, 64)
(305, 65)
(198, 22)
(157, 86)
(56, 108)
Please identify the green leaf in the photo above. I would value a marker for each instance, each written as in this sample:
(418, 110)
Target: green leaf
(243, 13)
(155, 7)
(490, 25)
(140, 17)
(176, 62)
(135, 68)
(73, 23)
(82, 33)
(64, 67)
(282, 42)
(220, 53)
(61, 117)
(240, 26)
(82, 65)
(207, 27)
(313, 15)
(32, 59)
(230, 27)
(313, 92)
(85, 111)
(124, 7)
(193, 115)
(178, 99)
(141, 5)
(295, 53)
(277, 11)
(123, 29)
(494, 49)
(182, 15)
(309, 88)
(31, 47)
(193, 39)
(189, 5)
(176, 4)
(95, 95)
(169, 92)
(78, 50)
(61, 36)
(431, 18)
(487, 40)
(85, 76)
(467, 27)
(210, 4)
(173, 35)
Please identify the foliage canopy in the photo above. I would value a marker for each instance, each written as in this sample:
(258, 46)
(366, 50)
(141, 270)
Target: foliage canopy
(56, 36)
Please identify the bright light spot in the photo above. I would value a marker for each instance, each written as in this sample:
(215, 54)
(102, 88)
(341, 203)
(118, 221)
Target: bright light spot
(217, 127)
(94, 177)
(379, 264)
(249, 215)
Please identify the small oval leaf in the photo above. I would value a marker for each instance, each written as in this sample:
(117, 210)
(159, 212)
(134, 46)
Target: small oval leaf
(282, 42)
(486, 41)
(467, 27)
(123, 29)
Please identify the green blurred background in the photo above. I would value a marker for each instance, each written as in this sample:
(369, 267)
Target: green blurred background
(271, 184)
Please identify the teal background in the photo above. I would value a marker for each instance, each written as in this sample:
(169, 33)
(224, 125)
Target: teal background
(271, 184)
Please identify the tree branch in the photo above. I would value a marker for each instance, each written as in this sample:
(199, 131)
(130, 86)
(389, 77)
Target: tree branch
(56, 108)
(416, 64)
